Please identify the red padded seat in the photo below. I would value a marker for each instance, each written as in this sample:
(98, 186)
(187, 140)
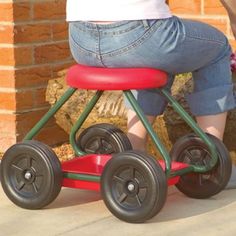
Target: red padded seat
(96, 78)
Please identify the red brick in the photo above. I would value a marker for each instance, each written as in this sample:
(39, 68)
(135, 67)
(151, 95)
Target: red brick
(10, 56)
(49, 10)
(21, 11)
(23, 55)
(7, 56)
(7, 78)
(60, 31)
(7, 101)
(24, 100)
(231, 36)
(40, 97)
(52, 53)
(31, 33)
(36, 76)
(6, 141)
(31, 98)
(27, 120)
(59, 71)
(51, 133)
(6, 11)
(192, 7)
(233, 44)
(7, 123)
(214, 7)
(6, 33)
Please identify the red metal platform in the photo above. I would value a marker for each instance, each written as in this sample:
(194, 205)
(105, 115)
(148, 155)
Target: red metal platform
(92, 166)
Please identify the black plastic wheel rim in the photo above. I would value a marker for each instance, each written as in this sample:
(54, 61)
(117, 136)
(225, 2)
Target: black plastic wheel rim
(103, 139)
(129, 187)
(133, 186)
(27, 176)
(99, 145)
(200, 156)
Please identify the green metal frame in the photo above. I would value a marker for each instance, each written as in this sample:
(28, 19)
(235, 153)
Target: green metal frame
(35, 130)
(188, 119)
(82, 177)
(128, 94)
(81, 120)
(65, 97)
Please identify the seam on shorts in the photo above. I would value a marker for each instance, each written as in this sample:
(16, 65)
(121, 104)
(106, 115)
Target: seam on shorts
(83, 50)
(114, 33)
(110, 32)
(136, 43)
(98, 47)
(205, 39)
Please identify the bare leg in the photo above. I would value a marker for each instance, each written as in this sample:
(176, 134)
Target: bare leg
(213, 124)
(137, 134)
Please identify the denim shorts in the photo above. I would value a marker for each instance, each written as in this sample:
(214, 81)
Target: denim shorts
(173, 45)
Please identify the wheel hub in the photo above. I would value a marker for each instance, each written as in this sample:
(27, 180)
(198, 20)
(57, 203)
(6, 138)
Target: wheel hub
(28, 175)
(132, 187)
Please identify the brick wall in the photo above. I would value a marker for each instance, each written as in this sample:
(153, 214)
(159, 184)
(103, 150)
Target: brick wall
(34, 49)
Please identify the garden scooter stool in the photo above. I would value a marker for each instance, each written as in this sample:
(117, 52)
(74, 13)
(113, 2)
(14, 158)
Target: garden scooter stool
(133, 184)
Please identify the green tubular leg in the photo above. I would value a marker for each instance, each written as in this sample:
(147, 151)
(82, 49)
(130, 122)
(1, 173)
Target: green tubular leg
(81, 120)
(188, 119)
(34, 131)
(84, 177)
(150, 131)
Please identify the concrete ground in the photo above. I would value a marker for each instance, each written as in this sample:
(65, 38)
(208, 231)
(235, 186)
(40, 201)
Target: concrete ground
(78, 212)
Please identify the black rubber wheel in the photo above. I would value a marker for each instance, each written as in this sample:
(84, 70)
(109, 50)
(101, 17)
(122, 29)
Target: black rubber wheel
(103, 139)
(133, 186)
(31, 174)
(192, 150)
